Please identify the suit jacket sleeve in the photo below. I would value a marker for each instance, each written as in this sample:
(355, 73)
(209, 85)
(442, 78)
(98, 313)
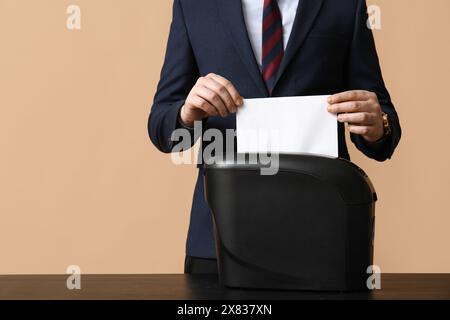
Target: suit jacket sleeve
(365, 74)
(178, 76)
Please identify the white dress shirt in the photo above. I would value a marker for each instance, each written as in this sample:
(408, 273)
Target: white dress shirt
(253, 15)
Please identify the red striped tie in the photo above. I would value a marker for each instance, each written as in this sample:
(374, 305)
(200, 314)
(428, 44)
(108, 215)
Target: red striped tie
(273, 51)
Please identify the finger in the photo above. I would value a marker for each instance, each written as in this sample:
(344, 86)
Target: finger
(220, 89)
(237, 98)
(213, 99)
(352, 106)
(353, 95)
(360, 130)
(359, 118)
(203, 105)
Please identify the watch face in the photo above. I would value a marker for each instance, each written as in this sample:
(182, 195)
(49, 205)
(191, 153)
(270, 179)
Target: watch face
(386, 125)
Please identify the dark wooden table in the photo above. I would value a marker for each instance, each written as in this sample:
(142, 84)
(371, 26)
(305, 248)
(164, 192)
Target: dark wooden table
(205, 287)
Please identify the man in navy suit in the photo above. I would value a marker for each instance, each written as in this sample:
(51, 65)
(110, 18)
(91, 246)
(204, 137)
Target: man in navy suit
(221, 51)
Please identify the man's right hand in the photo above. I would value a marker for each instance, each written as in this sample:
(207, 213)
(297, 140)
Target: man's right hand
(212, 95)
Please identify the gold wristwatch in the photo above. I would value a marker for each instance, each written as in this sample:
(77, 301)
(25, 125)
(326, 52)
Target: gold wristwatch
(386, 124)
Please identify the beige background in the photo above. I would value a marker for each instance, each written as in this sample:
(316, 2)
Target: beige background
(81, 184)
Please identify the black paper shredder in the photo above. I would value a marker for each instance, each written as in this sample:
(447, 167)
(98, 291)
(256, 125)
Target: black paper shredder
(308, 227)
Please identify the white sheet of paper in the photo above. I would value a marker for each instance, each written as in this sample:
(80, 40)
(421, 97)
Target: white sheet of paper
(290, 125)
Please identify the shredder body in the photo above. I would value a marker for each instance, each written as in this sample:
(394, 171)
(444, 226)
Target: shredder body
(308, 227)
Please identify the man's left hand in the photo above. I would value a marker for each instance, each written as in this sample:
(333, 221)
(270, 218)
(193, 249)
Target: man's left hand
(361, 110)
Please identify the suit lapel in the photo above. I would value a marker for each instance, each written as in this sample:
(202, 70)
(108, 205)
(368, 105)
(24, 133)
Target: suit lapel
(306, 14)
(231, 15)
(230, 12)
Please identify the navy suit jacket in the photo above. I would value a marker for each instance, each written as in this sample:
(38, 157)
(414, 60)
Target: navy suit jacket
(330, 50)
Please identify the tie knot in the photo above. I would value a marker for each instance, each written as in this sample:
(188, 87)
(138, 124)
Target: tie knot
(270, 3)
